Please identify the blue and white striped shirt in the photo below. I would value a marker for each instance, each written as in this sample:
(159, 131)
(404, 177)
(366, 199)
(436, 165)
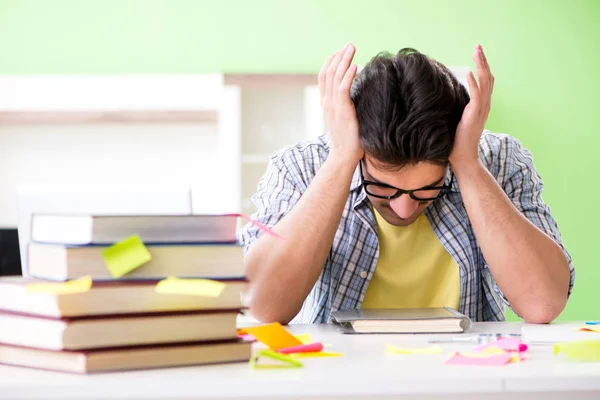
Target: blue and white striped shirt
(353, 256)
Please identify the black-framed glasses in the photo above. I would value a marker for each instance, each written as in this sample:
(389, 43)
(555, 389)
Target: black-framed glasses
(388, 192)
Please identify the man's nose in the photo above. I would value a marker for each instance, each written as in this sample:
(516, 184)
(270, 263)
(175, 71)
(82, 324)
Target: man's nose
(404, 206)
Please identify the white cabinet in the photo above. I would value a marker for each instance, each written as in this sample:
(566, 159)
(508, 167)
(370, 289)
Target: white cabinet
(274, 111)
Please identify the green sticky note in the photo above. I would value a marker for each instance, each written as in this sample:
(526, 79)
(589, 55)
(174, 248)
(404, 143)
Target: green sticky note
(272, 359)
(125, 256)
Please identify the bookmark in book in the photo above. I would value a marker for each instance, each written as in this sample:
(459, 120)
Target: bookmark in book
(125, 256)
(80, 285)
(193, 287)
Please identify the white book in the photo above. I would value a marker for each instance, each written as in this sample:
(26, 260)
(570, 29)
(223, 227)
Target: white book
(81, 229)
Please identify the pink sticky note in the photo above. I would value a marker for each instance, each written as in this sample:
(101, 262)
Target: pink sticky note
(304, 348)
(246, 337)
(506, 344)
(260, 225)
(500, 359)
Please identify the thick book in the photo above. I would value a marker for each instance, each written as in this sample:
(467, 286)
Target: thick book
(62, 262)
(94, 229)
(110, 297)
(118, 330)
(402, 320)
(126, 358)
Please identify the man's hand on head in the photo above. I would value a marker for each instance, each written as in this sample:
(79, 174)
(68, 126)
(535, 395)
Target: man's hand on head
(468, 133)
(335, 81)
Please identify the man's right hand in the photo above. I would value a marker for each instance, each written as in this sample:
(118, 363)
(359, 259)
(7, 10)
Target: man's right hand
(335, 81)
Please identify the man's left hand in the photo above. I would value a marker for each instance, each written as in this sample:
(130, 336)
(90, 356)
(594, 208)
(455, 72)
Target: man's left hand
(474, 117)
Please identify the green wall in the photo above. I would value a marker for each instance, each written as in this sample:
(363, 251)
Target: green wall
(545, 55)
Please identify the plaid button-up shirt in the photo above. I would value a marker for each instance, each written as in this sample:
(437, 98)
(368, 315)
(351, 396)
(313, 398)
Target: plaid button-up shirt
(354, 252)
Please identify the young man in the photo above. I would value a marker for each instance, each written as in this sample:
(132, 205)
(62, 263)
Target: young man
(407, 202)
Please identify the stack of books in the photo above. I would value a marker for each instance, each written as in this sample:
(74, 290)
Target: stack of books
(124, 323)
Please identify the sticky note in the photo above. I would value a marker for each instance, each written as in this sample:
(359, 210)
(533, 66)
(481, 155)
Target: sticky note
(303, 348)
(304, 338)
(273, 335)
(125, 256)
(193, 287)
(515, 356)
(260, 226)
(581, 350)
(316, 354)
(391, 349)
(75, 286)
(488, 352)
(497, 359)
(246, 337)
(591, 328)
(272, 359)
(506, 344)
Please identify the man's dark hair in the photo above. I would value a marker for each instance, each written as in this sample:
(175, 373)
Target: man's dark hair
(408, 107)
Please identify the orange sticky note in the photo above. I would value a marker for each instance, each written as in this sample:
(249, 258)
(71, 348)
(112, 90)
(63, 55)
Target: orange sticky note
(273, 335)
(591, 328)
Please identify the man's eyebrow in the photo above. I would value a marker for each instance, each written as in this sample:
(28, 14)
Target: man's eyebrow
(436, 182)
(371, 178)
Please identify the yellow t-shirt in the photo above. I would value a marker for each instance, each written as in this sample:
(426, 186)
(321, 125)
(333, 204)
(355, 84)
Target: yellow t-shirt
(414, 270)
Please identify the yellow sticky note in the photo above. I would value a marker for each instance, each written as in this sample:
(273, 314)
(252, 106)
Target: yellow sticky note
(304, 338)
(316, 354)
(581, 350)
(591, 328)
(273, 335)
(194, 287)
(391, 349)
(489, 352)
(125, 256)
(485, 353)
(272, 359)
(492, 350)
(75, 286)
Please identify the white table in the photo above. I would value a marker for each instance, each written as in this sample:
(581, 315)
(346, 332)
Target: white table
(365, 371)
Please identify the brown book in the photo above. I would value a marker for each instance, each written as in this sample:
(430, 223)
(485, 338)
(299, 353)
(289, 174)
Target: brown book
(61, 262)
(116, 330)
(122, 297)
(126, 358)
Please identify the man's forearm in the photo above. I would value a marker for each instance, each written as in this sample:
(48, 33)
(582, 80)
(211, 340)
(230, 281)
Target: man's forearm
(283, 272)
(529, 267)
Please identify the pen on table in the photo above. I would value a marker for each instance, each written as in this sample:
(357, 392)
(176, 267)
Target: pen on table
(481, 338)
